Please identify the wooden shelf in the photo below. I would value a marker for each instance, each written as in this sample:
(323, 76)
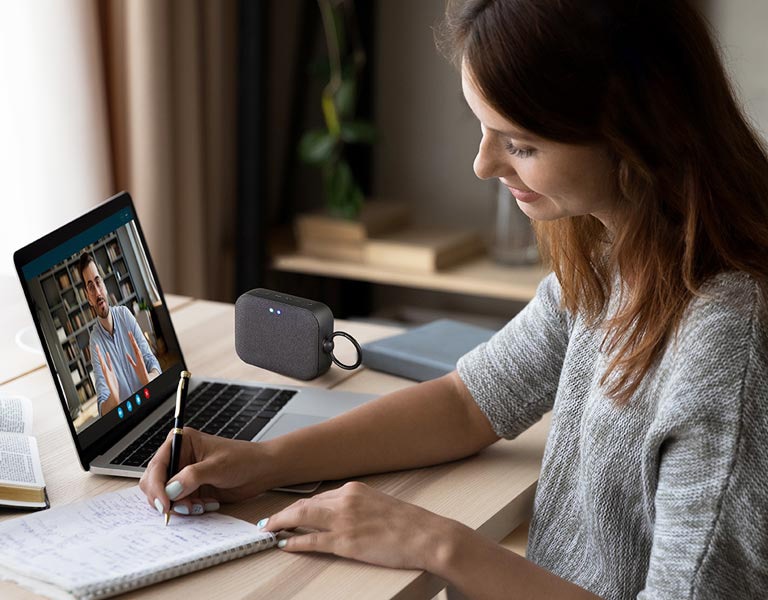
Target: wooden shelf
(479, 277)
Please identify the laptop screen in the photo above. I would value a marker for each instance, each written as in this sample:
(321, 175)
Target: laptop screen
(102, 320)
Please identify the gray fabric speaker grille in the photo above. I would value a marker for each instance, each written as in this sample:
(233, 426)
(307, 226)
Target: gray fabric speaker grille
(288, 343)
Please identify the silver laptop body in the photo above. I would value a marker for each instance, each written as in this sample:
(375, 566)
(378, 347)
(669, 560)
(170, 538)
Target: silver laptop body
(50, 270)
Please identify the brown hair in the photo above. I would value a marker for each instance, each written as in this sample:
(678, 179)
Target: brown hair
(644, 79)
(86, 258)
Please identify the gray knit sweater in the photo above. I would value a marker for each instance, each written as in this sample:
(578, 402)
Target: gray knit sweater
(666, 497)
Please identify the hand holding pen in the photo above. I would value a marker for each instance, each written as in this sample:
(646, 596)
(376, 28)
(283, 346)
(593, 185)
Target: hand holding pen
(178, 428)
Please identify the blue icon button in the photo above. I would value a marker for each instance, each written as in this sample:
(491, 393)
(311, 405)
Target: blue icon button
(129, 406)
(138, 400)
(120, 412)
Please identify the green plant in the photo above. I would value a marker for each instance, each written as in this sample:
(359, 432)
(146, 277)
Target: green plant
(325, 146)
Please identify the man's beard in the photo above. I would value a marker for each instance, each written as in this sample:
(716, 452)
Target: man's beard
(102, 308)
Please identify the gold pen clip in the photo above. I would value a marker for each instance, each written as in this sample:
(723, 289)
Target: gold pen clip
(183, 379)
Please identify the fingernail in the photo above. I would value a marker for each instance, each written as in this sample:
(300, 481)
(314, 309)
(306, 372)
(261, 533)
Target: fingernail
(181, 509)
(197, 509)
(262, 524)
(282, 543)
(211, 506)
(159, 506)
(173, 490)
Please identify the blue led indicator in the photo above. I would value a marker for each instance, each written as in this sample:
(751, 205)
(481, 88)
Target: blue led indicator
(129, 406)
(138, 400)
(279, 312)
(120, 412)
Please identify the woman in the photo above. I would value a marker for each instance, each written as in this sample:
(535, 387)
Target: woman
(615, 128)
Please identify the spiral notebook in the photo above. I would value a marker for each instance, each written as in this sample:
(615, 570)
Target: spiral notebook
(114, 543)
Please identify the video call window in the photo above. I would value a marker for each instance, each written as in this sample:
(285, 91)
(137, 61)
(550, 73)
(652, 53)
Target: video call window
(107, 282)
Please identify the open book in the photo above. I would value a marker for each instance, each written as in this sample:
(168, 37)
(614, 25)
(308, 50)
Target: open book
(21, 476)
(116, 542)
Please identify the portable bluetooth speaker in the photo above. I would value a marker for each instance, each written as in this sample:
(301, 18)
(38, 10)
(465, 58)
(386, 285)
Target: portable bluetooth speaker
(286, 334)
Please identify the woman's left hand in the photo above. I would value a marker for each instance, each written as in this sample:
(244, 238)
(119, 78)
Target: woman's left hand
(356, 521)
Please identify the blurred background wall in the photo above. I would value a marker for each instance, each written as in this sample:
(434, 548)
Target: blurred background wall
(196, 106)
(741, 26)
(430, 137)
(54, 147)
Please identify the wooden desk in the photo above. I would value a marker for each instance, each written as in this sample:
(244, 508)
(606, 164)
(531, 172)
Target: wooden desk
(491, 492)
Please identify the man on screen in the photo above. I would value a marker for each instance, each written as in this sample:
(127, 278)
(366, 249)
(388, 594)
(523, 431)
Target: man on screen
(122, 359)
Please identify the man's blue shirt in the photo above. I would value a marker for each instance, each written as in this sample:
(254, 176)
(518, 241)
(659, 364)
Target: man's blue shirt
(118, 345)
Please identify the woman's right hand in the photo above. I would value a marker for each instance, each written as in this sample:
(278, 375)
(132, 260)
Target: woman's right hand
(212, 469)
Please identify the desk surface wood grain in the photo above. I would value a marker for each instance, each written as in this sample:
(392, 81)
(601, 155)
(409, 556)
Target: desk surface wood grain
(491, 492)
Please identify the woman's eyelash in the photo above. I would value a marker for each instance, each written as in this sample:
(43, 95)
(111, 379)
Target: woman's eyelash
(519, 152)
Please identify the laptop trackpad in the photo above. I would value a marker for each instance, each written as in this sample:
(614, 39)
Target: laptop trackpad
(288, 422)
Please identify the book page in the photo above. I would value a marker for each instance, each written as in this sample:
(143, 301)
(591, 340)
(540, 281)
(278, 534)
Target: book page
(15, 414)
(20, 460)
(113, 536)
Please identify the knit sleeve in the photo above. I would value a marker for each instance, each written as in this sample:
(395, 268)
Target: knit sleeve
(708, 456)
(514, 376)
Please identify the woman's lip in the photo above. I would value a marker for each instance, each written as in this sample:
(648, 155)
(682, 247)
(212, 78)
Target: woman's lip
(524, 195)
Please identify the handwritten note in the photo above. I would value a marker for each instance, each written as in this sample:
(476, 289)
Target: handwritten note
(112, 537)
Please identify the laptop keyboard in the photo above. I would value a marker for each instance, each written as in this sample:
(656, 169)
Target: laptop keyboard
(232, 411)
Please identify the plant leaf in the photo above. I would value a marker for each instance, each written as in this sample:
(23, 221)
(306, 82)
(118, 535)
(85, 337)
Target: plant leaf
(358, 132)
(355, 200)
(330, 114)
(345, 98)
(345, 197)
(316, 146)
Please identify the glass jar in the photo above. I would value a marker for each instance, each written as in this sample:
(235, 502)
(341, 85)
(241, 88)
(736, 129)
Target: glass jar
(514, 242)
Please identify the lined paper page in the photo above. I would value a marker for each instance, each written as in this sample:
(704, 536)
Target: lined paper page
(112, 536)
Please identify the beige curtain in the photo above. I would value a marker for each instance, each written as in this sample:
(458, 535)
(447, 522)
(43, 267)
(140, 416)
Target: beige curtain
(170, 72)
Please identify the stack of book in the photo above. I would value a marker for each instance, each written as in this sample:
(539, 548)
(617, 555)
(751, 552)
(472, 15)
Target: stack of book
(323, 236)
(381, 237)
(423, 249)
(64, 282)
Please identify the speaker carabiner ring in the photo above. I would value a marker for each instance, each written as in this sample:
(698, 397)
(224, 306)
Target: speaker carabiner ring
(328, 347)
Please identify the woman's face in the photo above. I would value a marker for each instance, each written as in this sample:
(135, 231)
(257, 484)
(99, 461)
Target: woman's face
(550, 180)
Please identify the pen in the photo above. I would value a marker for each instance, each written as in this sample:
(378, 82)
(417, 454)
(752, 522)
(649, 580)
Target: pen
(178, 428)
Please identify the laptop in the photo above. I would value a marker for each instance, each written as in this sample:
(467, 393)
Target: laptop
(99, 265)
